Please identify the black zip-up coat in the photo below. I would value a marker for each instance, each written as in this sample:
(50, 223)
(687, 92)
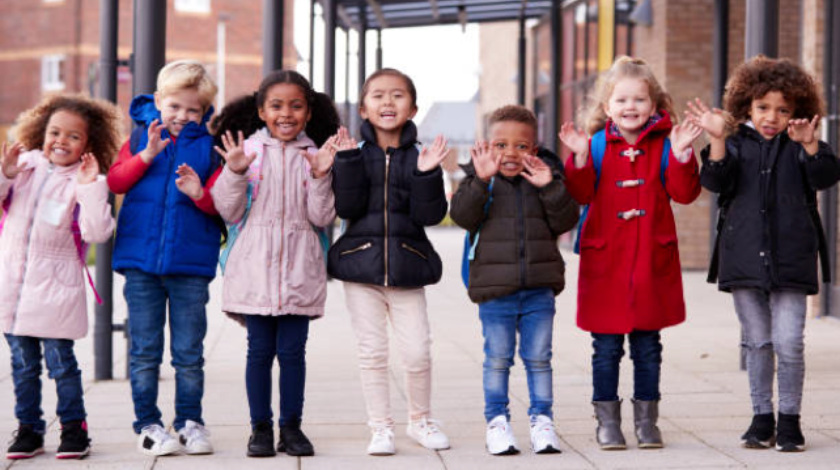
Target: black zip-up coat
(768, 239)
(386, 202)
(517, 246)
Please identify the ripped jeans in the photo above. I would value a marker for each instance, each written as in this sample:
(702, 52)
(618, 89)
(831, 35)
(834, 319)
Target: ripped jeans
(773, 324)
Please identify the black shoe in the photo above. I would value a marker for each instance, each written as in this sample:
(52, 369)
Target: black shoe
(261, 443)
(294, 442)
(26, 443)
(760, 433)
(75, 443)
(789, 436)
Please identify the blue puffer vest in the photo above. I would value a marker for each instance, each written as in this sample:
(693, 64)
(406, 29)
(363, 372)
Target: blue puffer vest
(160, 230)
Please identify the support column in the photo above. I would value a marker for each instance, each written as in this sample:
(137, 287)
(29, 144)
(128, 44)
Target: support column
(330, 12)
(553, 111)
(720, 62)
(312, 42)
(379, 49)
(362, 43)
(831, 80)
(347, 77)
(520, 91)
(149, 44)
(103, 328)
(272, 40)
(762, 28)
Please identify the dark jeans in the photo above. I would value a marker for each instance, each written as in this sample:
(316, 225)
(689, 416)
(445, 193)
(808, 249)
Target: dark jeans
(646, 353)
(283, 337)
(26, 375)
(146, 295)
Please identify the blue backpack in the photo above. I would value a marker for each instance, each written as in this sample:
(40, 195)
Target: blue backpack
(598, 147)
(469, 245)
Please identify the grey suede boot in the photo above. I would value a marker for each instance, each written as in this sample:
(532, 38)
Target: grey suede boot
(609, 434)
(645, 414)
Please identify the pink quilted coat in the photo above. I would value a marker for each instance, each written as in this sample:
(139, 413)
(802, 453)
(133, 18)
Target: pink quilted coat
(43, 282)
(276, 265)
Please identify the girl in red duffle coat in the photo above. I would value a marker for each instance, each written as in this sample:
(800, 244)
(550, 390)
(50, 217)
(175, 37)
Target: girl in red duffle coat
(630, 279)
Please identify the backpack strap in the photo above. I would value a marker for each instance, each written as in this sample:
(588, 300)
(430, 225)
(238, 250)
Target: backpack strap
(6, 204)
(81, 250)
(471, 254)
(470, 244)
(134, 139)
(597, 145)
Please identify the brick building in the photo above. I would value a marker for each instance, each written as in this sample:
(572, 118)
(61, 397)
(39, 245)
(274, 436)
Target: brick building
(53, 46)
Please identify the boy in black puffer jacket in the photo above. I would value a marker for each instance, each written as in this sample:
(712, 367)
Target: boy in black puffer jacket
(520, 206)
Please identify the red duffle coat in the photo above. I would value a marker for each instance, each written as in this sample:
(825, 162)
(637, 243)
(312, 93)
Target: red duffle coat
(630, 276)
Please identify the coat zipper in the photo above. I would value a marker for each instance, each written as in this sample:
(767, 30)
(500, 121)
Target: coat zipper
(387, 171)
(413, 250)
(165, 211)
(520, 216)
(50, 170)
(364, 246)
(282, 216)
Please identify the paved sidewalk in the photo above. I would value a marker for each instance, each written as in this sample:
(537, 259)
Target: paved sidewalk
(704, 410)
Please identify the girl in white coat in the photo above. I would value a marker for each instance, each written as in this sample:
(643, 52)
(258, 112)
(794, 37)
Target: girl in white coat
(54, 201)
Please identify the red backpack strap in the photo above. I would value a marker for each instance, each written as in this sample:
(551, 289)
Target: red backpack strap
(81, 250)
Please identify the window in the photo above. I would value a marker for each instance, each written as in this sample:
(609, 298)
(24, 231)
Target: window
(52, 72)
(192, 6)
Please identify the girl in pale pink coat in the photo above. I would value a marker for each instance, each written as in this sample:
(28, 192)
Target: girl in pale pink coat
(55, 200)
(275, 194)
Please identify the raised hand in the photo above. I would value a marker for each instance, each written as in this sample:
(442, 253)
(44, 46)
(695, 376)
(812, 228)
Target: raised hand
(430, 157)
(88, 170)
(345, 141)
(713, 121)
(683, 134)
(155, 145)
(234, 153)
(321, 161)
(9, 159)
(485, 161)
(188, 182)
(803, 130)
(577, 142)
(536, 171)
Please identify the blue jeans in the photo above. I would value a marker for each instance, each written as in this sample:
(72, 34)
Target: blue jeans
(772, 325)
(646, 353)
(283, 337)
(146, 295)
(531, 312)
(26, 375)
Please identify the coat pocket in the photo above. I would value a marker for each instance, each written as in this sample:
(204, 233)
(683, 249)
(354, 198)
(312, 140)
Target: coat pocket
(666, 256)
(594, 257)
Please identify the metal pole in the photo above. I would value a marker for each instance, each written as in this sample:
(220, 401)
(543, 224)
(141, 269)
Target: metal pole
(828, 206)
(520, 92)
(347, 76)
(221, 40)
(272, 41)
(762, 28)
(330, 13)
(379, 49)
(553, 114)
(362, 43)
(720, 63)
(312, 42)
(149, 43)
(103, 328)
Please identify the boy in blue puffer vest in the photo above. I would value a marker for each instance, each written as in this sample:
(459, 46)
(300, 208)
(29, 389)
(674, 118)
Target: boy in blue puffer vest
(167, 247)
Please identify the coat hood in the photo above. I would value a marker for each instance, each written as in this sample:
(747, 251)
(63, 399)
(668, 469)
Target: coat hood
(143, 111)
(408, 136)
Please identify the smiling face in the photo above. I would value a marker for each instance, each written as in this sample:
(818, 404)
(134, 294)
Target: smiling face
(630, 106)
(513, 141)
(770, 114)
(66, 138)
(178, 108)
(388, 104)
(285, 111)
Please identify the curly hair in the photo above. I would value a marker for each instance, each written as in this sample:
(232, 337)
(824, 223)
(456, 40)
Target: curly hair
(102, 117)
(513, 113)
(761, 75)
(242, 114)
(595, 118)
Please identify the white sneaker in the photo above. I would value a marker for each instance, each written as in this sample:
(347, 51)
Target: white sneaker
(195, 438)
(427, 433)
(500, 440)
(543, 438)
(154, 440)
(381, 441)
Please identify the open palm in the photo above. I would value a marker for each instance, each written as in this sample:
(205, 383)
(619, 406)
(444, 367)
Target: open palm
(9, 159)
(431, 157)
(485, 161)
(234, 153)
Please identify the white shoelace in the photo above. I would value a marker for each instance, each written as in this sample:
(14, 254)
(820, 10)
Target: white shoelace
(195, 431)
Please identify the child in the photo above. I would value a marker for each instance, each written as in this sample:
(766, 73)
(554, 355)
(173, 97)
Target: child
(167, 247)
(517, 269)
(630, 280)
(279, 180)
(767, 173)
(53, 199)
(387, 191)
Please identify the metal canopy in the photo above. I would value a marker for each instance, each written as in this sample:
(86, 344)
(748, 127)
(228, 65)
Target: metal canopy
(381, 14)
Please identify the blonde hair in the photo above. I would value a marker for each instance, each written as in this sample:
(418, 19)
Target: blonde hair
(187, 74)
(103, 119)
(595, 118)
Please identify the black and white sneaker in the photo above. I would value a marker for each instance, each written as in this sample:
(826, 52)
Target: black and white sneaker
(760, 434)
(155, 441)
(26, 443)
(789, 436)
(75, 443)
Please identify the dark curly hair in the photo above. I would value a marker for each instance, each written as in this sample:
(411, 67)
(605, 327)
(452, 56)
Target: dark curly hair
(513, 113)
(761, 75)
(242, 114)
(102, 117)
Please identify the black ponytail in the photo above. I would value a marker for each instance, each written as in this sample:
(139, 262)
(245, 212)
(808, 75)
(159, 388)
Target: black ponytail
(240, 114)
(324, 121)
